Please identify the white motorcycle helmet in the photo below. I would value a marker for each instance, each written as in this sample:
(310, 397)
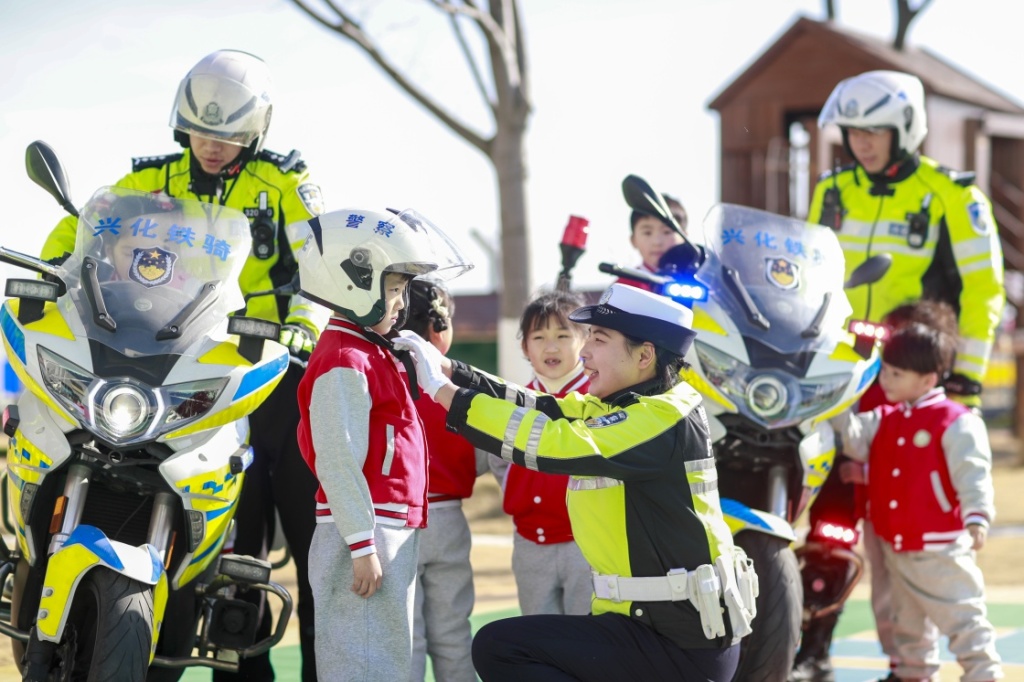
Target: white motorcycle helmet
(880, 99)
(225, 97)
(344, 256)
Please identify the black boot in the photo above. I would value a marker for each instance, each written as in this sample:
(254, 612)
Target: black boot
(813, 663)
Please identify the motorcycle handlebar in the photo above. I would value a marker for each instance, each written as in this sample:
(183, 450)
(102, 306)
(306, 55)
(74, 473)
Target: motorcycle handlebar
(633, 273)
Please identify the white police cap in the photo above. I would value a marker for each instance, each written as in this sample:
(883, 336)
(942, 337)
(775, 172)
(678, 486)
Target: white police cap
(642, 315)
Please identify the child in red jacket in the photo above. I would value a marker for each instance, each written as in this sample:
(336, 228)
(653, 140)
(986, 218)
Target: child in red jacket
(551, 574)
(444, 577)
(930, 501)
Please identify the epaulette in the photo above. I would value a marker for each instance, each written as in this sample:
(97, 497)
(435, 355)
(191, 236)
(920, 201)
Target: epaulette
(143, 162)
(962, 178)
(292, 162)
(841, 169)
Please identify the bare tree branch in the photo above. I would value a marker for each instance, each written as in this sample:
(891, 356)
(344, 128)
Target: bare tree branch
(474, 68)
(830, 10)
(349, 28)
(905, 15)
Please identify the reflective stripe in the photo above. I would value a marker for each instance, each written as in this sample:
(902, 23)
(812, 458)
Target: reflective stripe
(533, 441)
(972, 247)
(964, 366)
(700, 464)
(702, 487)
(855, 228)
(509, 442)
(974, 348)
(592, 482)
(529, 399)
(977, 266)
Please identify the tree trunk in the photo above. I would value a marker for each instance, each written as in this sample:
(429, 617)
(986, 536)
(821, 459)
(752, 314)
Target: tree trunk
(509, 158)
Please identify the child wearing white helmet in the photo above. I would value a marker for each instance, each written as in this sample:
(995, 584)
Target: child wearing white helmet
(360, 433)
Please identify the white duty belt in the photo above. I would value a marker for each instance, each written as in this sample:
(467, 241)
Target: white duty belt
(731, 579)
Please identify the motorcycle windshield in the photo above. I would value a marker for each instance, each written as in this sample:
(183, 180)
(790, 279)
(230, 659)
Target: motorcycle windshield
(151, 274)
(780, 279)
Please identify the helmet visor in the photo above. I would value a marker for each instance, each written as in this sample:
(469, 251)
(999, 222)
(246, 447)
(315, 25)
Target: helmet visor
(436, 253)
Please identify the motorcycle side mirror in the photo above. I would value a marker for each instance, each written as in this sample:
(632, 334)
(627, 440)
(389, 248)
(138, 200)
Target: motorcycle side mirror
(640, 196)
(870, 271)
(45, 169)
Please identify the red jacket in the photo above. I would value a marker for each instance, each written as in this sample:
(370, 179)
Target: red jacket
(452, 459)
(536, 501)
(354, 402)
(911, 498)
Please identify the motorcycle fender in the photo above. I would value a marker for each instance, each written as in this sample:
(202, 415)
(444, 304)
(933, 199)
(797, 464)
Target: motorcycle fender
(739, 517)
(86, 548)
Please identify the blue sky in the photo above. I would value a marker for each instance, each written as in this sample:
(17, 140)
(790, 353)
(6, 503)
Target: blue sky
(618, 86)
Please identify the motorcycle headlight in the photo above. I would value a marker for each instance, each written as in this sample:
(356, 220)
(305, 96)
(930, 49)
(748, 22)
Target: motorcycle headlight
(124, 410)
(767, 396)
(187, 402)
(67, 382)
(723, 371)
(821, 394)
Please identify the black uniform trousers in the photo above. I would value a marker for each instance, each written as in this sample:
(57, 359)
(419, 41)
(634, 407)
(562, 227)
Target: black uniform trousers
(278, 478)
(608, 647)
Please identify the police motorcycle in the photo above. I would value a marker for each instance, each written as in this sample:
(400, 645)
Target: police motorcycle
(773, 360)
(128, 447)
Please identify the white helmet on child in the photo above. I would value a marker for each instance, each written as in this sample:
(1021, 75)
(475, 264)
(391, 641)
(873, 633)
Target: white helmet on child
(880, 99)
(225, 97)
(344, 256)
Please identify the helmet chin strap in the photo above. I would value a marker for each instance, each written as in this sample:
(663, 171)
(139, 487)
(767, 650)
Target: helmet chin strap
(404, 356)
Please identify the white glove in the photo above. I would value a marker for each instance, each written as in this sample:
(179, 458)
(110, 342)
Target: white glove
(429, 361)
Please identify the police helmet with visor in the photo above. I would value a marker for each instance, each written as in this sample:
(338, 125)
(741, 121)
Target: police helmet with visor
(880, 100)
(225, 97)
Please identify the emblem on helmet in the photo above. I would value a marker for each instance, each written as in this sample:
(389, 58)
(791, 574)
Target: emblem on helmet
(851, 109)
(211, 115)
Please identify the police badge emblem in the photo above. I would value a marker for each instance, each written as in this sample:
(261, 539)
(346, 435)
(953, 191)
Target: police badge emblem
(152, 266)
(311, 197)
(781, 272)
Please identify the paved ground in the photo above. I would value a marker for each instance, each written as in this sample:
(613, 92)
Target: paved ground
(856, 651)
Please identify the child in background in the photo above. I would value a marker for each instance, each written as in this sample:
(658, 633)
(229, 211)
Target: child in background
(652, 237)
(444, 577)
(552, 577)
(930, 501)
(360, 433)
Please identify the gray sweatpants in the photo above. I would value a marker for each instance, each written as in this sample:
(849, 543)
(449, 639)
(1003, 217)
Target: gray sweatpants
(363, 639)
(551, 579)
(945, 586)
(444, 598)
(881, 597)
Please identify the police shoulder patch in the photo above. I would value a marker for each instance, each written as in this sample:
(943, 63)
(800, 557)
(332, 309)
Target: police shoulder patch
(606, 420)
(141, 163)
(311, 198)
(292, 162)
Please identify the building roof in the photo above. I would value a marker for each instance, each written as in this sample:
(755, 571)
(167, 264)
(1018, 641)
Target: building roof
(939, 76)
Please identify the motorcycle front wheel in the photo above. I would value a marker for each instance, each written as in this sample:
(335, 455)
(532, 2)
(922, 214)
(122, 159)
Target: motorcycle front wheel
(766, 654)
(109, 632)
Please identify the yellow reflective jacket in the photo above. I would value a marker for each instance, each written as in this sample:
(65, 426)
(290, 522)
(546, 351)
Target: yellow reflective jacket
(951, 252)
(289, 196)
(643, 488)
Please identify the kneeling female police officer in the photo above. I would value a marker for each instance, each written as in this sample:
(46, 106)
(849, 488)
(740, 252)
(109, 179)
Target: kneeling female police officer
(672, 595)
